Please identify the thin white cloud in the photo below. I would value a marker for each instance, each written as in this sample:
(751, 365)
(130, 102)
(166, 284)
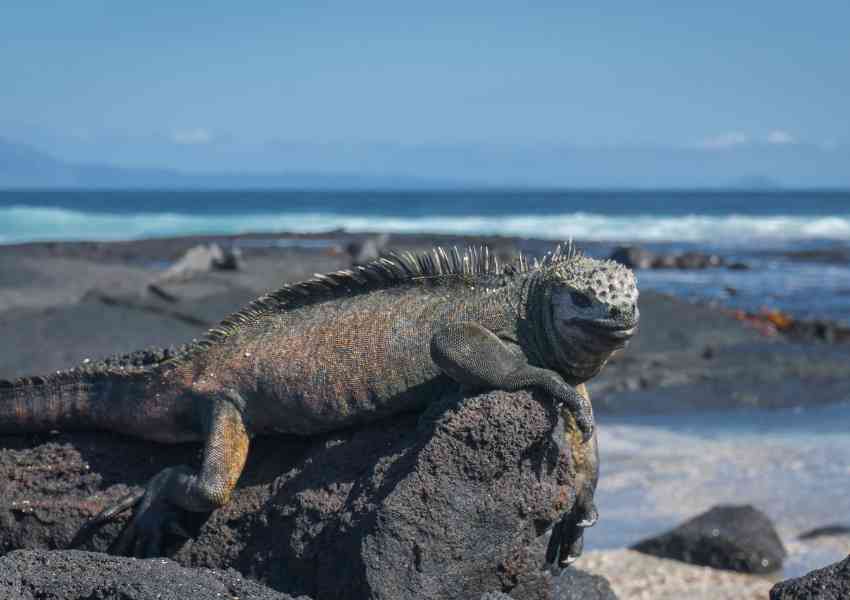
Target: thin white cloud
(729, 139)
(191, 137)
(778, 136)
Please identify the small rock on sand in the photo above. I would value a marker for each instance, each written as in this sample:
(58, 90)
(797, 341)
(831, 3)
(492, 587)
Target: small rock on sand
(736, 538)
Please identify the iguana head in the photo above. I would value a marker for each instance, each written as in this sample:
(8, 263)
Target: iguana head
(594, 310)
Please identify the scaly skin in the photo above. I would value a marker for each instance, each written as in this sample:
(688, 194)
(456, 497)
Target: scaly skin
(344, 349)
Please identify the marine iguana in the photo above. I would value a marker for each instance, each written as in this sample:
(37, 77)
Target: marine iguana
(342, 349)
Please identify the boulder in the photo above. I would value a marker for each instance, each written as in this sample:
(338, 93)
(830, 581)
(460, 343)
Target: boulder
(634, 257)
(829, 583)
(202, 258)
(637, 257)
(76, 575)
(735, 538)
(698, 260)
(448, 504)
(366, 250)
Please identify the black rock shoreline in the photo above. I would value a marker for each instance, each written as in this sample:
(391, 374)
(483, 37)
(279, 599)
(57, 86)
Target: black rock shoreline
(62, 303)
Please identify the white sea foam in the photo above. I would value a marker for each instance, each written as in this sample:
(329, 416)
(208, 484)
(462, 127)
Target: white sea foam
(24, 223)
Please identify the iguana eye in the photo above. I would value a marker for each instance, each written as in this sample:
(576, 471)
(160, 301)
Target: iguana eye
(580, 300)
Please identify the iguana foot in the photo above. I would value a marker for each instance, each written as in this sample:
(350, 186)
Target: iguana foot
(567, 397)
(567, 541)
(153, 516)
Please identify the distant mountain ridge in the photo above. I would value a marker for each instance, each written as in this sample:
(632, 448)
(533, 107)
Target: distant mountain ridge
(383, 166)
(24, 167)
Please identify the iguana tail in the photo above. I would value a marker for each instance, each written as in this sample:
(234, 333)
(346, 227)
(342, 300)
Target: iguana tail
(69, 401)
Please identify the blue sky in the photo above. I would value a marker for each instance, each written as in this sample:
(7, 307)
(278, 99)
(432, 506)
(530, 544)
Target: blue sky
(224, 84)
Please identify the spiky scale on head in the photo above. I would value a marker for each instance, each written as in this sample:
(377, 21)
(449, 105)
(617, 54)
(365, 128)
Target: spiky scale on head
(605, 281)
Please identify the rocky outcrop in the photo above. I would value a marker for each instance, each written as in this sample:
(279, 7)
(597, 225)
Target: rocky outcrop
(449, 504)
(637, 257)
(366, 250)
(829, 583)
(736, 538)
(75, 575)
(202, 259)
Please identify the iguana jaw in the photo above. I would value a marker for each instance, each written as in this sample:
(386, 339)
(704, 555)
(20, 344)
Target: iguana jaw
(616, 331)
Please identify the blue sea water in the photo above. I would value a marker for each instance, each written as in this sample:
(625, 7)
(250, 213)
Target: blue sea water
(759, 228)
(722, 217)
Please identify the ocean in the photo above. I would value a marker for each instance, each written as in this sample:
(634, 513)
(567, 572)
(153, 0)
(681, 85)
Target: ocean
(797, 243)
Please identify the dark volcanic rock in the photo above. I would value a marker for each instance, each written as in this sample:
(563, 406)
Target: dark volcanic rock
(367, 250)
(829, 583)
(637, 257)
(575, 584)
(572, 584)
(825, 531)
(76, 575)
(634, 257)
(736, 538)
(441, 505)
(203, 258)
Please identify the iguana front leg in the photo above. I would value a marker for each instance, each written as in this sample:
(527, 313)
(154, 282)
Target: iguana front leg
(179, 488)
(473, 355)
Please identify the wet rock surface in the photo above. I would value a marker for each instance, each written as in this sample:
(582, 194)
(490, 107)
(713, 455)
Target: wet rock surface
(76, 575)
(442, 505)
(736, 538)
(829, 583)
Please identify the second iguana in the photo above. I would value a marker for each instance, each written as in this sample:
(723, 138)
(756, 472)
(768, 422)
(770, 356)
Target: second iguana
(342, 349)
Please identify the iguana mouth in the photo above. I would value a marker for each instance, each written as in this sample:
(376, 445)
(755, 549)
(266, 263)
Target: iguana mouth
(610, 324)
(609, 328)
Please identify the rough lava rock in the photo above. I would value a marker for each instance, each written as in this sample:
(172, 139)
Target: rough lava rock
(829, 583)
(735, 538)
(571, 584)
(448, 504)
(575, 584)
(77, 575)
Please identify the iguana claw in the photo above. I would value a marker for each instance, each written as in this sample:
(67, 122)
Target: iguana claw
(153, 517)
(567, 540)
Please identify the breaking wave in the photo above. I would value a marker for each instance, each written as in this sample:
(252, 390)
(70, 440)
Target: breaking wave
(26, 223)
